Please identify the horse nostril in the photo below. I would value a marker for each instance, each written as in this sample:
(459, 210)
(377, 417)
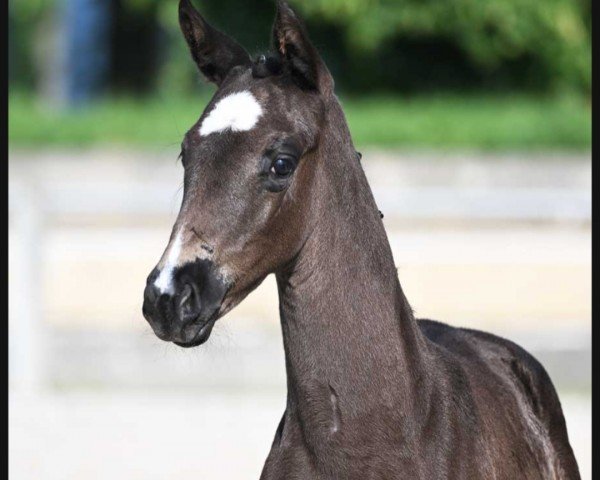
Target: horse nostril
(188, 303)
(185, 295)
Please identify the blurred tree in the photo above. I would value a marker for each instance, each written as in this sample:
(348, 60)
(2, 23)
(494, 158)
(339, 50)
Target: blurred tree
(386, 45)
(135, 46)
(552, 35)
(24, 19)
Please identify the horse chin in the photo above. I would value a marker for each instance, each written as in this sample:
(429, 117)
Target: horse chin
(228, 303)
(201, 337)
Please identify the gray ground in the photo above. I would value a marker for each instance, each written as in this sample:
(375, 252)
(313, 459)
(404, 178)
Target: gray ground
(155, 436)
(95, 395)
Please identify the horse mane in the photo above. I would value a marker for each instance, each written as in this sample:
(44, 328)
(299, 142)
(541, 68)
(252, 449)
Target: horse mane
(273, 65)
(267, 65)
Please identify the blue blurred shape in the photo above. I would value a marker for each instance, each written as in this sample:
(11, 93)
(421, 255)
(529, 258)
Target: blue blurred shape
(87, 25)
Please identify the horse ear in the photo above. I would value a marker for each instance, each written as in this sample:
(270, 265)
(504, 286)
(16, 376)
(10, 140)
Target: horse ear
(214, 52)
(291, 41)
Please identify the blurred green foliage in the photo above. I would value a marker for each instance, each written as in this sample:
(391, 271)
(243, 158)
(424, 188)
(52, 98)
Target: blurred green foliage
(555, 34)
(421, 121)
(379, 45)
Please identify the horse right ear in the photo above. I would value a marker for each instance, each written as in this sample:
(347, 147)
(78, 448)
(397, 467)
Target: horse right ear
(298, 54)
(214, 52)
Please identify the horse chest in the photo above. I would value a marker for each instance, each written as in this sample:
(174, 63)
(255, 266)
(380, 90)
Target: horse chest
(356, 454)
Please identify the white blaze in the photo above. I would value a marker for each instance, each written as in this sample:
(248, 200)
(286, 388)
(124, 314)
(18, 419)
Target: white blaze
(164, 281)
(239, 112)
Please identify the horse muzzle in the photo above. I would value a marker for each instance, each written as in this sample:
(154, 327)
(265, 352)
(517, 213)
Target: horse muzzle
(186, 309)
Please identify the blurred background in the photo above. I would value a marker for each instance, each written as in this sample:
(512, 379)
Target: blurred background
(474, 122)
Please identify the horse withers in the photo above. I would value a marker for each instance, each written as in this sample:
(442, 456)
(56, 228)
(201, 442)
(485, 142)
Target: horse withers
(272, 184)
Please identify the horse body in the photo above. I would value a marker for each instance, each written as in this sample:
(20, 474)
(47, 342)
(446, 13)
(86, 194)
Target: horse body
(372, 392)
(491, 414)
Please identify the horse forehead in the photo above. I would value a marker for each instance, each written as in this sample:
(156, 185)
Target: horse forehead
(237, 112)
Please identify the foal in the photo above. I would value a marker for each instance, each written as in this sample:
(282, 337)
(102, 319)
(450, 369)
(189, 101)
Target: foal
(272, 184)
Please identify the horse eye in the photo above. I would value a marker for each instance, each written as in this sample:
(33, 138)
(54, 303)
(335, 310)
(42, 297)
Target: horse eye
(282, 167)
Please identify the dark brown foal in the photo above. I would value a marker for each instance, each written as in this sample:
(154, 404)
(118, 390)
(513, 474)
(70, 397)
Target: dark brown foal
(272, 184)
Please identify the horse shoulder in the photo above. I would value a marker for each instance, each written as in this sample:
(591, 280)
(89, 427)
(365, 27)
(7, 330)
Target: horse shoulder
(514, 365)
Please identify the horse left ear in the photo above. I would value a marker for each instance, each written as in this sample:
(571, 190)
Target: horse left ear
(291, 41)
(214, 52)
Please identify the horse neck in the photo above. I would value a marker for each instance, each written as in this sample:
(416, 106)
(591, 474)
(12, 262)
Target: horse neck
(348, 329)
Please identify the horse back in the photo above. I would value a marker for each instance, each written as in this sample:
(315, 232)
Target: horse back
(512, 376)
